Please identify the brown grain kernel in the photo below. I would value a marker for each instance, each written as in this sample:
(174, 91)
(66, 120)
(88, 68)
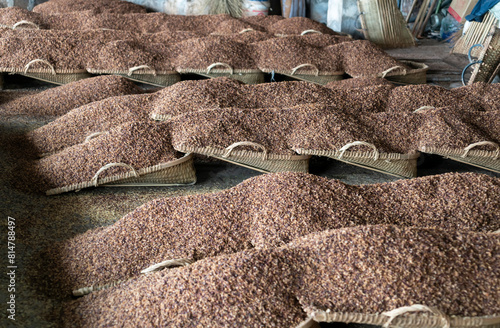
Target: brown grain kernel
(268, 211)
(297, 25)
(12, 15)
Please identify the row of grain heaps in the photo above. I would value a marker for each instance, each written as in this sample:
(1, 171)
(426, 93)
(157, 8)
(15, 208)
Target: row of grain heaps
(155, 47)
(287, 248)
(271, 127)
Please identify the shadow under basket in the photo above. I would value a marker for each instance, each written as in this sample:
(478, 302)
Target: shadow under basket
(178, 172)
(398, 165)
(58, 78)
(148, 76)
(258, 161)
(415, 316)
(485, 159)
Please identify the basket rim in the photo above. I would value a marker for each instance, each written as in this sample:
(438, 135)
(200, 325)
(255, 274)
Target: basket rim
(215, 151)
(118, 177)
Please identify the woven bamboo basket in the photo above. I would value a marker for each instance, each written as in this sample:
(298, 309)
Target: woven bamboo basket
(485, 159)
(477, 33)
(489, 59)
(258, 161)
(49, 74)
(308, 73)
(175, 173)
(399, 165)
(21, 24)
(383, 24)
(144, 74)
(415, 316)
(417, 74)
(247, 76)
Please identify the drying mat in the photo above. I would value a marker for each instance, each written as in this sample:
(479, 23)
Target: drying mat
(49, 74)
(247, 76)
(489, 59)
(485, 159)
(177, 172)
(258, 161)
(417, 74)
(144, 74)
(405, 317)
(477, 33)
(383, 24)
(399, 165)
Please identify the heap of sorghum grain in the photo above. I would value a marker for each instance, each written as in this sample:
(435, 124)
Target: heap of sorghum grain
(268, 211)
(367, 269)
(285, 54)
(222, 128)
(78, 124)
(60, 100)
(199, 54)
(263, 21)
(120, 56)
(169, 37)
(65, 6)
(78, 20)
(139, 144)
(406, 98)
(297, 25)
(487, 94)
(363, 58)
(12, 15)
(232, 26)
(247, 37)
(60, 52)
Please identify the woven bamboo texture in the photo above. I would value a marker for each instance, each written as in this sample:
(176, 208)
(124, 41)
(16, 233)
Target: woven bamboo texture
(399, 165)
(156, 78)
(247, 78)
(408, 320)
(417, 74)
(255, 160)
(477, 33)
(488, 160)
(490, 59)
(177, 172)
(383, 24)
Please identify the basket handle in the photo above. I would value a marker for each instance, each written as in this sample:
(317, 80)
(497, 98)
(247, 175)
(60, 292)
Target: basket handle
(26, 68)
(482, 143)
(387, 71)
(416, 308)
(469, 53)
(93, 135)
(25, 22)
(423, 108)
(360, 143)
(246, 30)
(136, 68)
(245, 143)
(167, 264)
(306, 65)
(310, 31)
(209, 68)
(107, 166)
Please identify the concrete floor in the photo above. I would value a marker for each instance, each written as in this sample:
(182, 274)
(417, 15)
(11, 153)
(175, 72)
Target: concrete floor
(42, 220)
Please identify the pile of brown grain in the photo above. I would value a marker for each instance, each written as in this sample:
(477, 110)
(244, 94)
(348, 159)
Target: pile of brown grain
(139, 144)
(78, 20)
(199, 54)
(263, 21)
(363, 58)
(60, 100)
(488, 94)
(120, 56)
(169, 37)
(64, 54)
(368, 269)
(65, 6)
(219, 129)
(12, 15)
(84, 35)
(232, 26)
(100, 116)
(297, 25)
(285, 54)
(268, 211)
